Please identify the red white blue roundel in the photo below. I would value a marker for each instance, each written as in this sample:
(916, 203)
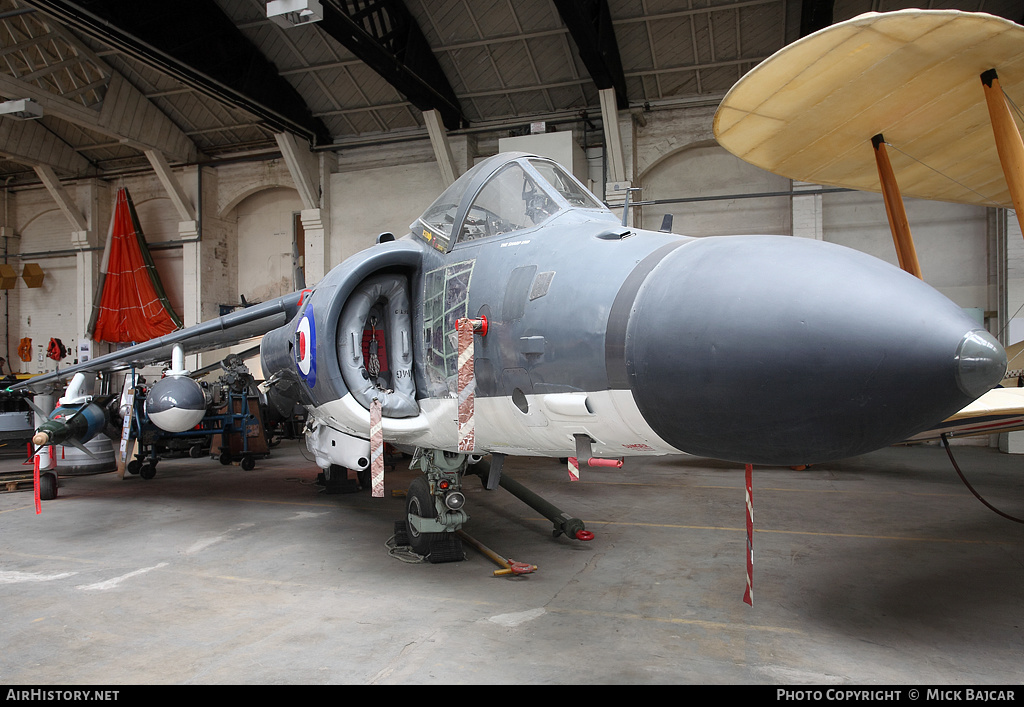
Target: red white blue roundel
(305, 347)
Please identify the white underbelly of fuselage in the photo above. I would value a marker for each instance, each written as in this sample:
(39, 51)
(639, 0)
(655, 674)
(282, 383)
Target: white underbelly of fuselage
(538, 425)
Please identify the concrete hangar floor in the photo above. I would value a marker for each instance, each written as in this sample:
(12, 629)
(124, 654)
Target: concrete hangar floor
(881, 569)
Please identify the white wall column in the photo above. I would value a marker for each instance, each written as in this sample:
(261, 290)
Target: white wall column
(85, 289)
(316, 225)
(807, 222)
(620, 157)
(191, 253)
(317, 244)
(1013, 442)
(616, 164)
(311, 173)
(192, 292)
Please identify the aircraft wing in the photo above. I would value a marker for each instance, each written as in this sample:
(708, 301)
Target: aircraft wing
(217, 333)
(809, 111)
(998, 410)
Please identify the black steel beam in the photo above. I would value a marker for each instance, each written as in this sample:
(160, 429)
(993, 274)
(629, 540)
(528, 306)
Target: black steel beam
(590, 24)
(815, 15)
(385, 36)
(195, 42)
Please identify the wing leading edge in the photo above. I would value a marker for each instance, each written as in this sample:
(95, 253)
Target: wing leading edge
(213, 334)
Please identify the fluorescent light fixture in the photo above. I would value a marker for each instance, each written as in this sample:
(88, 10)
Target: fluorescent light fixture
(292, 13)
(23, 109)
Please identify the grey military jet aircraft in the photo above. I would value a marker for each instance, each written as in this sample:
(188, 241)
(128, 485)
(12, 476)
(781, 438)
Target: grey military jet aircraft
(592, 339)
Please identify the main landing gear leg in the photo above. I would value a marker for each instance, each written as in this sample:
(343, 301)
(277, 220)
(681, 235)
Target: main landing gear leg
(434, 505)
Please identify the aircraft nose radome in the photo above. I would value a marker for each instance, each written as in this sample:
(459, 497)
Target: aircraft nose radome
(780, 350)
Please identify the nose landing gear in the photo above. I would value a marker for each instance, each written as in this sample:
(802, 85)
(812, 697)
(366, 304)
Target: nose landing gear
(434, 507)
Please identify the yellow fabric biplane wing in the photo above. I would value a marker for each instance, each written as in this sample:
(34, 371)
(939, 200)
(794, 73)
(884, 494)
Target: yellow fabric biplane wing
(809, 111)
(998, 410)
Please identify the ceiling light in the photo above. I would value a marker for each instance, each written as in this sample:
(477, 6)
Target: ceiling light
(292, 13)
(23, 109)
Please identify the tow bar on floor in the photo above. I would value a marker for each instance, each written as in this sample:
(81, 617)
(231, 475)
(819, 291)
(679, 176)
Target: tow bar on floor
(508, 566)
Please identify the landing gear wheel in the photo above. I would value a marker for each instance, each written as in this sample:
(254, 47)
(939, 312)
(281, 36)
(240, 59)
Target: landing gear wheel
(148, 471)
(47, 487)
(248, 463)
(419, 503)
(133, 466)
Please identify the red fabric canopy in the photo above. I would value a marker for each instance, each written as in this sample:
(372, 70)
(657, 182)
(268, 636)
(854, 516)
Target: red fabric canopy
(132, 306)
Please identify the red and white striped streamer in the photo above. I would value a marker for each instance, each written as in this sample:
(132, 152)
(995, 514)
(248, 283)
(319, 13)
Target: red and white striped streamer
(574, 469)
(35, 481)
(466, 387)
(748, 596)
(376, 449)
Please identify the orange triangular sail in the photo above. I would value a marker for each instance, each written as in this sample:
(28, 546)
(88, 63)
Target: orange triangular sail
(131, 304)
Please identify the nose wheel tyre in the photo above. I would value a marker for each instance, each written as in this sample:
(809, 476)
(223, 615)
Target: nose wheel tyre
(419, 503)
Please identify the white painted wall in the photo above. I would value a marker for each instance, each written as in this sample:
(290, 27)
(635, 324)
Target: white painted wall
(265, 222)
(951, 240)
(708, 170)
(365, 203)
(46, 311)
(49, 311)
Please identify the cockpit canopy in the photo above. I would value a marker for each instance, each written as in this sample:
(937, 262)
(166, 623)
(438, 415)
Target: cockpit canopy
(506, 193)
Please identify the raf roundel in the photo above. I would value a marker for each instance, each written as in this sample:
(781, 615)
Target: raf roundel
(305, 347)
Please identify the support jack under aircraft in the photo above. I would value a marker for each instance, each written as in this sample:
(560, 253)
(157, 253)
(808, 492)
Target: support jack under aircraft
(519, 317)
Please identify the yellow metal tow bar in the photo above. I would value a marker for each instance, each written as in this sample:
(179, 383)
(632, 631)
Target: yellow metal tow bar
(508, 566)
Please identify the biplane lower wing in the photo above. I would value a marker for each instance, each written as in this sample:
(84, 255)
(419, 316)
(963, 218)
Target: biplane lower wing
(998, 410)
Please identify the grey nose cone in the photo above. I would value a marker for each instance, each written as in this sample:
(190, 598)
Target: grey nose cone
(981, 363)
(787, 351)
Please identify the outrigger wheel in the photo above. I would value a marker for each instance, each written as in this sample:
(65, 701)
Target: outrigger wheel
(47, 487)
